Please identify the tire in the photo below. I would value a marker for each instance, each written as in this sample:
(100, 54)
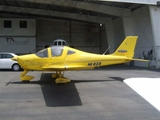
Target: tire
(16, 67)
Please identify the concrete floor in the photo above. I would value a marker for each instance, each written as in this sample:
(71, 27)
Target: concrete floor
(98, 94)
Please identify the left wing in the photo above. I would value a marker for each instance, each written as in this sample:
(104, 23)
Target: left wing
(65, 68)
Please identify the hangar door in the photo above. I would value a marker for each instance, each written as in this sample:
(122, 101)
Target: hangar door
(81, 35)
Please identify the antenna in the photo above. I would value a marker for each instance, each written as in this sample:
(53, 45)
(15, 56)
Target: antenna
(106, 50)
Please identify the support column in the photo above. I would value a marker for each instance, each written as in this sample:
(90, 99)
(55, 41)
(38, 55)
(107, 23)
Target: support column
(155, 20)
(128, 26)
(109, 28)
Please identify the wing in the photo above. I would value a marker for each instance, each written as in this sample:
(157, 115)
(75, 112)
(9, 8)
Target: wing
(65, 68)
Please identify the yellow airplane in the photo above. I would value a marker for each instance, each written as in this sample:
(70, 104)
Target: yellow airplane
(64, 58)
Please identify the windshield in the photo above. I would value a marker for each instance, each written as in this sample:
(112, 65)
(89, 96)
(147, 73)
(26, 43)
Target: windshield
(43, 53)
(56, 51)
(70, 52)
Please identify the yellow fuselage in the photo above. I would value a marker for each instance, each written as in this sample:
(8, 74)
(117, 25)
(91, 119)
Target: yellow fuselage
(76, 61)
(62, 58)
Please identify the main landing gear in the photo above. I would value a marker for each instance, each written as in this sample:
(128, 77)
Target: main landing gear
(59, 77)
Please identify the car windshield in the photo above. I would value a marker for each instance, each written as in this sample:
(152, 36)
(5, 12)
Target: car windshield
(43, 53)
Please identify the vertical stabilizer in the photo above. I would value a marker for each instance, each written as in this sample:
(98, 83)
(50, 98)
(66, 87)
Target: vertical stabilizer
(127, 47)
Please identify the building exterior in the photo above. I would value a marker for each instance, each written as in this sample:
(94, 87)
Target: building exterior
(27, 25)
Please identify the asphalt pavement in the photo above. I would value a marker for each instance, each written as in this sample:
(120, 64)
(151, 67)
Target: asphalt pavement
(98, 94)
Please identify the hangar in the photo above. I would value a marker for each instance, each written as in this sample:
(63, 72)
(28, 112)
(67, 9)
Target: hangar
(90, 25)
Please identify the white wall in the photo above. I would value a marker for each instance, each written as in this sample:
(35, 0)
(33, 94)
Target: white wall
(115, 34)
(103, 40)
(15, 30)
(18, 40)
(118, 32)
(142, 28)
(155, 21)
(18, 45)
(109, 31)
(139, 24)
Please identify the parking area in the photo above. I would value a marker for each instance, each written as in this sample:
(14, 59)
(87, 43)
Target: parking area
(98, 94)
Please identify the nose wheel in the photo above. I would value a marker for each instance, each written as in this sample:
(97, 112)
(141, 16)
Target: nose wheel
(25, 78)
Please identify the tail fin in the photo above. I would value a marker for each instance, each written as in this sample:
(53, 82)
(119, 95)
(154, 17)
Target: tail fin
(127, 47)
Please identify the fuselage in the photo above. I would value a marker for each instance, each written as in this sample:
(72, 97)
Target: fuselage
(63, 58)
(68, 58)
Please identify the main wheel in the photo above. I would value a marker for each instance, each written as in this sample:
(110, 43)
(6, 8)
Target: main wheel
(16, 67)
(26, 81)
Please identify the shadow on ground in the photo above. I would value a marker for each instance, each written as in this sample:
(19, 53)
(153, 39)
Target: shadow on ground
(57, 95)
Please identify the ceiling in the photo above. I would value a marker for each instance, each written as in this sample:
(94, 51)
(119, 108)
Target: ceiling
(89, 8)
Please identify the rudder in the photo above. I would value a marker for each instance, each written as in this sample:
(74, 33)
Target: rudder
(127, 47)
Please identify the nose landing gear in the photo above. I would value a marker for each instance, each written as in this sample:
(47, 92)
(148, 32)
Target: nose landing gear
(25, 78)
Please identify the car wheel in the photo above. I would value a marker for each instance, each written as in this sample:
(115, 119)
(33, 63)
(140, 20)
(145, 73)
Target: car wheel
(15, 67)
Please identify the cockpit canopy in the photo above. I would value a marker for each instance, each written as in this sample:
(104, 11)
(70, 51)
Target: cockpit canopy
(43, 53)
(55, 52)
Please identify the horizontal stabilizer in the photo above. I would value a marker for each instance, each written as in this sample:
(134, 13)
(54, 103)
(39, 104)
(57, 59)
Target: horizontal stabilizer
(141, 60)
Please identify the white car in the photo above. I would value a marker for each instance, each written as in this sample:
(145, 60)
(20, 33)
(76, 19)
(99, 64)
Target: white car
(7, 63)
